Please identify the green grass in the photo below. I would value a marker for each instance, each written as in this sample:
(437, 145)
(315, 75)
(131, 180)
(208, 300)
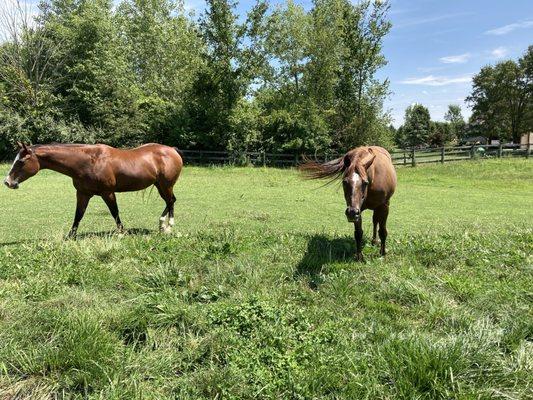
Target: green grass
(256, 294)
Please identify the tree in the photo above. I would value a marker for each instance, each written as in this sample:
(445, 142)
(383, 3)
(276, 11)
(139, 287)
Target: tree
(222, 82)
(417, 126)
(164, 54)
(287, 42)
(440, 133)
(457, 123)
(501, 98)
(526, 65)
(359, 96)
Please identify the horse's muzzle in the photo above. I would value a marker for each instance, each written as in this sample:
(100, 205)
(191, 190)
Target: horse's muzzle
(11, 185)
(353, 214)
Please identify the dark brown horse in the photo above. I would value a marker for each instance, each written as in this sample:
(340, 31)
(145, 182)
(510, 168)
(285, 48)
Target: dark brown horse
(368, 180)
(100, 170)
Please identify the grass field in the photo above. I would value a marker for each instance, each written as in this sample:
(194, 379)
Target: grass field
(256, 294)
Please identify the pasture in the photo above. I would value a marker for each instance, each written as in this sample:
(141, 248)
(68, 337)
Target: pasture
(256, 294)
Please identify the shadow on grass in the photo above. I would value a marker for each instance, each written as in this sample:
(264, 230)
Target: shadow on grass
(86, 235)
(17, 242)
(322, 250)
(127, 232)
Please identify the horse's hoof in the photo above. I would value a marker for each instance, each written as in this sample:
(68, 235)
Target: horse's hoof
(167, 230)
(374, 242)
(359, 257)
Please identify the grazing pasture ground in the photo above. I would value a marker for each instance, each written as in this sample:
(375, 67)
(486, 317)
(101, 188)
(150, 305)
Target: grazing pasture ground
(256, 294)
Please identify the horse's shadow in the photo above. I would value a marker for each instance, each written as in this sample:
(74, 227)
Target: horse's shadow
(322, 250)
(112, 233)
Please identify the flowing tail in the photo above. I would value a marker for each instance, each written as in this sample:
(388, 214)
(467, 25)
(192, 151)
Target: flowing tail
(332, 169)
(179, 152)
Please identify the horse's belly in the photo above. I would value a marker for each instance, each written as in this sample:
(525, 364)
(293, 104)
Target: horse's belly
(134, 176)
(127, 184)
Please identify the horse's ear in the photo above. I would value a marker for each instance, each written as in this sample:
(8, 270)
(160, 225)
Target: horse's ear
(26, 149)
(369, 159)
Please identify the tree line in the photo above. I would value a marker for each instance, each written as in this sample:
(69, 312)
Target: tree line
(280, 79)
(502, 109)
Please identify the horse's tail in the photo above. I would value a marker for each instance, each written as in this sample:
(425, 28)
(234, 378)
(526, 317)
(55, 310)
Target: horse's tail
(332, 169)
(178, 151)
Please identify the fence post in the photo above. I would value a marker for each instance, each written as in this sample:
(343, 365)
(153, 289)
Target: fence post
(528, 151)
(472, 151)
(442, 155)
(500, 150)
(404, 157)
(413, 159)
(263, 156)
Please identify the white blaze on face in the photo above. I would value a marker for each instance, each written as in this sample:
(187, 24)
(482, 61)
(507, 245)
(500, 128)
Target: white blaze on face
(11, 169)
(356, 179)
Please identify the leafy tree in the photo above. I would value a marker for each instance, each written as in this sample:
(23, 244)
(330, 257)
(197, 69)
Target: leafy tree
(500, 98)
(457, 123)
(440, 133)
(360, 96)
(222, 83)
(417, 127)
(287, 42)
(135, 71)
(164, 54)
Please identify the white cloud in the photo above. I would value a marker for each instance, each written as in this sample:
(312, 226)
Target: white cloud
(458, 59)
(427, 20)
(504, 30)
(498, 52)
(431, 80)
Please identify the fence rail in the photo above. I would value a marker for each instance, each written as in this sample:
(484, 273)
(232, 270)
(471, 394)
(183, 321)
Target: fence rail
(406, 157)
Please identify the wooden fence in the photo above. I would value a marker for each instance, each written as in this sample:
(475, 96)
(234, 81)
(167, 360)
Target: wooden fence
(407, 157)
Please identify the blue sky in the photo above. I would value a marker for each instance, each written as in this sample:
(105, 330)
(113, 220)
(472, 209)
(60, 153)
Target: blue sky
(435, 46)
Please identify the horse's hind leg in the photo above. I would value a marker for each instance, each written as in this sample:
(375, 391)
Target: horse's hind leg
(375, 221)
(383, 213)
(111, 200)
(167, 194)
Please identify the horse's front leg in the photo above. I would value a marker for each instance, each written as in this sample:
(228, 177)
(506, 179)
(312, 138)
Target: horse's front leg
(82, 200)
(111, 200)
(358, 234)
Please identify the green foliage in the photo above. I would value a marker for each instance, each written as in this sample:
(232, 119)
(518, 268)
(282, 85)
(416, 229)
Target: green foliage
(501, 99)
(440, 133)
(417, 127)
(457, 123)
(250, 299)
(141, 71)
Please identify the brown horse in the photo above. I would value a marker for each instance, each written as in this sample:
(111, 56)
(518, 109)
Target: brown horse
(101, 170)
(368, 180)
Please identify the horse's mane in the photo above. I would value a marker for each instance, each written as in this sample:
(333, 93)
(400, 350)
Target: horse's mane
(333, 169)
(55, 144)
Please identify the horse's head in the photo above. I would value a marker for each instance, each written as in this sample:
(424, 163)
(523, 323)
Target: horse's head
(25, 166)
(355, 181)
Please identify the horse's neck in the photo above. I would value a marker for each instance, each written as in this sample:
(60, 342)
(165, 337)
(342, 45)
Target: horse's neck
(64, 160)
